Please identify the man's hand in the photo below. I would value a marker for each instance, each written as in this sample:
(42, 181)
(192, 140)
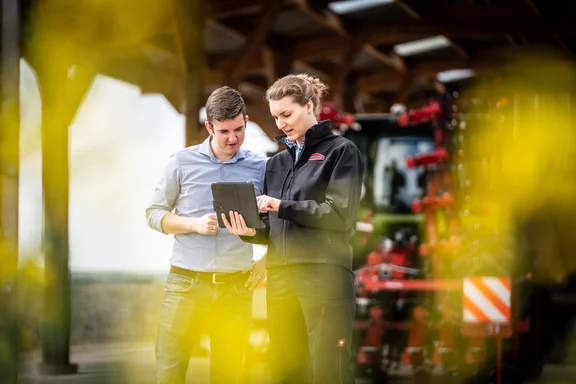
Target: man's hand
(237, 225)
(207, 224)
(267, 203)
(257, 274)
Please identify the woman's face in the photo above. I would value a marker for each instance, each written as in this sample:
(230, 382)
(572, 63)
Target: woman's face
(292, 118)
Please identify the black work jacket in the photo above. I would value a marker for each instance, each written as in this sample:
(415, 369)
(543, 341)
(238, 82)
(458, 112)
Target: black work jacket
(319, 195)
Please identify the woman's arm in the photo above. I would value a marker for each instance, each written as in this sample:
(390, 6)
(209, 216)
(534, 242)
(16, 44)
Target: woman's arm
(339, 210)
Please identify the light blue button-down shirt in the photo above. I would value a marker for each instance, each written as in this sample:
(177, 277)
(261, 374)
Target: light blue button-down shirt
(185, 188)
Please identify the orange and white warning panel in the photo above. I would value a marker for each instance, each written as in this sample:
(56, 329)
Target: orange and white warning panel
(487, 299)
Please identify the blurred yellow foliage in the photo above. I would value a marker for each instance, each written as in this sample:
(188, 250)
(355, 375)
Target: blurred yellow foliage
(523, 156)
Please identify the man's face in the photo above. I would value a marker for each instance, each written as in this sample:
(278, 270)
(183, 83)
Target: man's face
(227, 136)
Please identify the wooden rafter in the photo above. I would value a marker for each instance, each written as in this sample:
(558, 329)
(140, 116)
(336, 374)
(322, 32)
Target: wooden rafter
(340, 76)
(255, 42)
(409, 9)
(420, 72)
(404, 87)
(277, 63)
(534, 7)
(258, 112)
(256, 63)
(321, 47)
(332, 21)
(222, 8)
(477, 27)
(563, 44)
(455, 10)
(410, 78)
(416, 14)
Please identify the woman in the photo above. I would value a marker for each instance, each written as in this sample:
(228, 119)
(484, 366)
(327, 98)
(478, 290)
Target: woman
(310, 200)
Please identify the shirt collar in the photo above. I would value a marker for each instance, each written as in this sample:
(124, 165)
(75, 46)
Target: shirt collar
(292, 144)
(206, 150)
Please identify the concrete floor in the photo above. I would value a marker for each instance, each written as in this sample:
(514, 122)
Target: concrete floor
(135, 364)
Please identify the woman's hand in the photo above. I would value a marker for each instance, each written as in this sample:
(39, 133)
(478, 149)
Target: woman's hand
(257, 274)
(237, 225)
(267, 203)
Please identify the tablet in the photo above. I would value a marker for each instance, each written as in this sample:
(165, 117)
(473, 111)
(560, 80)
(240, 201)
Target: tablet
(236, 196)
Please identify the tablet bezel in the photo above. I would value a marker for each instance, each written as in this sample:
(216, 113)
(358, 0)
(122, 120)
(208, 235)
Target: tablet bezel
(248, 208)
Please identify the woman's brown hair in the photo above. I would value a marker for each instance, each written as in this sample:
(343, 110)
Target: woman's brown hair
(302, 87)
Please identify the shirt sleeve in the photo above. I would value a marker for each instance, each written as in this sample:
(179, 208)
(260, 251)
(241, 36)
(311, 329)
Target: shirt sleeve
(260, 183)
(339, 209)
(165, 195)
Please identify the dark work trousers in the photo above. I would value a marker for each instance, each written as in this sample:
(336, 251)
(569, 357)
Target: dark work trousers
(311, 309)
(186, 306)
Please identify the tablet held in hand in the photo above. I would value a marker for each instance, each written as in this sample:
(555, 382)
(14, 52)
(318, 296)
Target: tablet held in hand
(236, 196)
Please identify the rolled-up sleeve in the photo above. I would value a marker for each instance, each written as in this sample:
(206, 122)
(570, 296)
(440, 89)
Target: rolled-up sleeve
(165, 195)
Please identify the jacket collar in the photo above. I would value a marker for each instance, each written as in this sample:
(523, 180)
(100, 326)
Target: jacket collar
(314, 134)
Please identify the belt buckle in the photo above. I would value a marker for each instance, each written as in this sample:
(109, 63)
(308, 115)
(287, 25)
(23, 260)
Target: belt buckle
(214, 278)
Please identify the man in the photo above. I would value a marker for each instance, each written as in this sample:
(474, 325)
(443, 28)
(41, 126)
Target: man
(208, 277)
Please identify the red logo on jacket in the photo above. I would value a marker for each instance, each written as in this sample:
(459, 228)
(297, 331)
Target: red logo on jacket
(316, 157)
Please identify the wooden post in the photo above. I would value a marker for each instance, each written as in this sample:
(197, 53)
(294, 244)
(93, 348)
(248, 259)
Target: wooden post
(278, 63)
(254, 42)
(339, 86)
(62, 89)
(9, 175)
(349, 95)
(190, 20)
(54, 87)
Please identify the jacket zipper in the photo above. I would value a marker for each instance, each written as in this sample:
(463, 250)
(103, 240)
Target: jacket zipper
(285, 195)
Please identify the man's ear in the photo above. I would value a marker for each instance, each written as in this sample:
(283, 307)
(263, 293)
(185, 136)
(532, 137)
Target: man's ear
(247, 118)
(208, 128)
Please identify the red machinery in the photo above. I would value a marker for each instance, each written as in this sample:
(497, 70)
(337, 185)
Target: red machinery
(340, 121)
(415, 296)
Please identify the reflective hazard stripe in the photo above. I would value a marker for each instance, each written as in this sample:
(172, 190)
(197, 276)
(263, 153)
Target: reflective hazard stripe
(486, 299)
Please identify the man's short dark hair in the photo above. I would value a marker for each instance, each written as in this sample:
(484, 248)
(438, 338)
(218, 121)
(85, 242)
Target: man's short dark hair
(224, 103)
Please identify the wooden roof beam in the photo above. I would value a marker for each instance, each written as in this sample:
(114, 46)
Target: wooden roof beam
(502, 11)
(419, 73)
(416, 15)
(320, 47)
(257, 62)
(332, 21)
(223, 8)
(255, 42)
(376, 37)
(377, 81)
(259, 113)
(277, 63)
(328, 19)
(404, 88)
(341, 74)
(532, 6)
(409, 9)
(555, 36)
(478, 27)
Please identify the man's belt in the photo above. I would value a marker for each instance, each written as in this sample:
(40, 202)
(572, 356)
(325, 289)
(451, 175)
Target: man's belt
(212, 277)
